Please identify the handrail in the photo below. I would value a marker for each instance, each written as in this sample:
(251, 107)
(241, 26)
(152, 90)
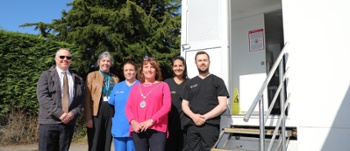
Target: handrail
(266, 82)
(259, 99)
(273, 102)
(278, 124)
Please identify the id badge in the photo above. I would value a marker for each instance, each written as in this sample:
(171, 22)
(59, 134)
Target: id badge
(105, 98)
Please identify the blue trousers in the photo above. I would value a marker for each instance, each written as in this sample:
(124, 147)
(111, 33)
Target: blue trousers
(124, 144)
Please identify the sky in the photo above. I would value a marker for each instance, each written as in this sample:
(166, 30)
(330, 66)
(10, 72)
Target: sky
(14, 13)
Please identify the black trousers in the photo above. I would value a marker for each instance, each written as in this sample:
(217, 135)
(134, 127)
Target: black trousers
(176, 140)
(99, 136)
(149, 140)
(55, 137)
(202, 138)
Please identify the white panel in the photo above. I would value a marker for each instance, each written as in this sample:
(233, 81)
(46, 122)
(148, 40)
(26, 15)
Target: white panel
(319, 77)
(215, 62)
(323, 139)
(249, 88)
(319, 61)
(203, 20)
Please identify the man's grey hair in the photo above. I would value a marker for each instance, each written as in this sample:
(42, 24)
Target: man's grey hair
(61, 49)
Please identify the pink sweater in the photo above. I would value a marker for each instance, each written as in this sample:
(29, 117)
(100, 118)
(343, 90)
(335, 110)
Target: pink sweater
(158, 104)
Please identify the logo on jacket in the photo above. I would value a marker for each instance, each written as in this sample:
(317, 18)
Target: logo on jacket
(193, 86)
(119, 92)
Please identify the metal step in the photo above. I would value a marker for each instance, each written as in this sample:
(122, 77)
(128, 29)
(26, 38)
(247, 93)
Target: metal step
(247, 131)
(244, 138)
(233, 150)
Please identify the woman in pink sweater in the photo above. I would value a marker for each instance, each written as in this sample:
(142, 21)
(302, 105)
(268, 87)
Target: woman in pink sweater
(147, 108)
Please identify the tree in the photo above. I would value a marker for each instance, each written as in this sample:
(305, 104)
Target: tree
(129, 29)
(23, 58)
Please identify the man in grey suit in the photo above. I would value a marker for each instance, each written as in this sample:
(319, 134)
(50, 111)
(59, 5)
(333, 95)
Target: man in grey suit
(60, 96)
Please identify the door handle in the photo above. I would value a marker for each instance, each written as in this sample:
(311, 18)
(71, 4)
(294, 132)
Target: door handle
(185, 47)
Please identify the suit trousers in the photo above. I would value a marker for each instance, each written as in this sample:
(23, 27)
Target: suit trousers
(55, 137)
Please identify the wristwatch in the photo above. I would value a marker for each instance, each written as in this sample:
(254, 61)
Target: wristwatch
(151, 120)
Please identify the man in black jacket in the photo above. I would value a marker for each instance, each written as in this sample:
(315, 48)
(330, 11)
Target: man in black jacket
(60, 94)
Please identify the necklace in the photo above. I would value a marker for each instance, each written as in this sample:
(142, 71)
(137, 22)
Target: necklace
(143, 102)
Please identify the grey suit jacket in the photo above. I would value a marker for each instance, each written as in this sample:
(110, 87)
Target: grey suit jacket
(49, 97)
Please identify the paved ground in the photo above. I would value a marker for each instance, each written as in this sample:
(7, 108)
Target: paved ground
(34, 147)
(75, 146)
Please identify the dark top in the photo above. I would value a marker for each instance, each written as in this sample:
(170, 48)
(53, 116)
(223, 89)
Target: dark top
(176, 116)
(49, 97)
(202, 95)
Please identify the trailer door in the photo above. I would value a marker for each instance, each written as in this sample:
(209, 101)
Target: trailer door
(205, 28)
(248, 58)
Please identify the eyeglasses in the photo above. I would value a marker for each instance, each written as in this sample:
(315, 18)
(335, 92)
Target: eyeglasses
(68, 57)
(146, 58)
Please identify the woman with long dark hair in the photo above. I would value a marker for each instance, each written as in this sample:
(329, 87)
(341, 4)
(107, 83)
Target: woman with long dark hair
(177, 122)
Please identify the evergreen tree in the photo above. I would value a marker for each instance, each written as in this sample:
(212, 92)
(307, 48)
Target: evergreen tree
(129, 29)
